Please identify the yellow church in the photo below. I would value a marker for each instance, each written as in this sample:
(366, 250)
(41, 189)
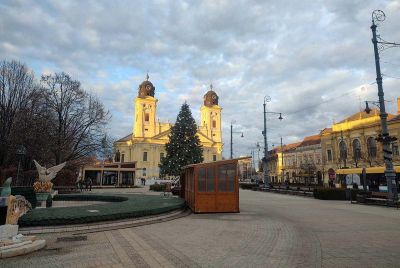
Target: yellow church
(146, 144)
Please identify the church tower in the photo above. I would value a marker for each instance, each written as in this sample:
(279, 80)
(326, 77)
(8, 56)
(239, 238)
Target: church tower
(211, 116)
(145, 111)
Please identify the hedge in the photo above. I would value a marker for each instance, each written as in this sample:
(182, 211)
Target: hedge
(82, 197)
(158, 187)
(120, 207)
(336, 193)
(248, 186)
(27, 192)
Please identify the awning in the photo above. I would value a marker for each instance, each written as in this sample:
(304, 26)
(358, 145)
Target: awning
(369, 170)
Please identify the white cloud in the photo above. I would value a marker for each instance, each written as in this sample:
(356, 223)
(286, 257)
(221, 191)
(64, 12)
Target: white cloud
(311, 57)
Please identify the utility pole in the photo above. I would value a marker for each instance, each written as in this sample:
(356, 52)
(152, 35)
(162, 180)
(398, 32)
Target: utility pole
(384, 137)
(231, 142)
(232, 122)
(265, 168)
(283, 169)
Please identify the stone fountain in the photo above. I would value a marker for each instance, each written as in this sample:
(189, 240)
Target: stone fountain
(11, 209)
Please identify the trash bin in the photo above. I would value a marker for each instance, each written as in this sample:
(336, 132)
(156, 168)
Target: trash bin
(348, 194)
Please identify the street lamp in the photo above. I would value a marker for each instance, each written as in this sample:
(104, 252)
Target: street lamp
(232, 122)
(384, 137)
(266, 177)
(21, 151)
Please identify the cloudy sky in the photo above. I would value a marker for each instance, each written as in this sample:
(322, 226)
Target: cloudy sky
(313, 58)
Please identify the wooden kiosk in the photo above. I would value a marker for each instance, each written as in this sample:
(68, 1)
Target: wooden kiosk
(211, 187)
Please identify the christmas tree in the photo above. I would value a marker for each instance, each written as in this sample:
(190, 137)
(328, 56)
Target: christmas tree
(184, 146)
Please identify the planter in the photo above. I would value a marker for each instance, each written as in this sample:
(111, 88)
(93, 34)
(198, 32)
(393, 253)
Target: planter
(360, 198)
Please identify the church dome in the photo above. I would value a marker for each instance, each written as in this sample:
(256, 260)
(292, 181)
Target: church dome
(210, 98)
(146, 88)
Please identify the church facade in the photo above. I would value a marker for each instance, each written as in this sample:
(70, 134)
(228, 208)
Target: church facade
(146, 144)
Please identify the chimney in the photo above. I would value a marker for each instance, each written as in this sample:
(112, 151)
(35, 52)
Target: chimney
(398, 105)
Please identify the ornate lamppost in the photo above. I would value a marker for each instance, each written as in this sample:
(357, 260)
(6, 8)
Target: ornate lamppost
(21, 152)
(384, 137)
(266, 176)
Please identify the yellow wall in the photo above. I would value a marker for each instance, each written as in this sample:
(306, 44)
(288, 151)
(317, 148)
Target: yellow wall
(361, 129)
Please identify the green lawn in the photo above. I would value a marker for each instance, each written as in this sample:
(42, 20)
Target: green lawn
(121, 207)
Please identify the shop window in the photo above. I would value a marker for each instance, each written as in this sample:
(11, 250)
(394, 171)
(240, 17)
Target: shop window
(227, 178)
(231, 176)
(144, 156)
(202, 180)
(222, 179)
(210, 179)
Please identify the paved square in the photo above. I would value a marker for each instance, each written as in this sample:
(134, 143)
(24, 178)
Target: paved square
(272, 230)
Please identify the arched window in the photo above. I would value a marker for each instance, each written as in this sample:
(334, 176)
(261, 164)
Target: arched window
(356, 149)
(343, 150)
(371, 146)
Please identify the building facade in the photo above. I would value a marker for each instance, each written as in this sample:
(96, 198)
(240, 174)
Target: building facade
(351, 145)
(299, 162)
(146, 144)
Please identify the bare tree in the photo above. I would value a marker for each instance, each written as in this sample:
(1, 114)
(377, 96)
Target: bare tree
(77, 118)
(107, 148)
(17, 86)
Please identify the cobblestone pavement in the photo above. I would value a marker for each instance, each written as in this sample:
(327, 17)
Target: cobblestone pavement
(272, 230)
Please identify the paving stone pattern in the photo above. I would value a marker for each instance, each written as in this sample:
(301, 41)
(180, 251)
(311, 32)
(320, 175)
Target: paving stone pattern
(271, 231)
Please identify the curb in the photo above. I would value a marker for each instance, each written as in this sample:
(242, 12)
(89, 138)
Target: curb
(107, 225)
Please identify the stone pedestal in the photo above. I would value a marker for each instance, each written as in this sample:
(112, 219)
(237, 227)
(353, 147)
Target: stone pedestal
(8, 231)
(41, 199)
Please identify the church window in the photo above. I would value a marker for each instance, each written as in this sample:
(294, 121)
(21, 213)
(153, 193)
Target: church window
(146, 117)
(371, 146)
(395, 149)
(214, 124)
(329, 153)
(214, 157)
(144, 156)
(343, 150)
(356, 149)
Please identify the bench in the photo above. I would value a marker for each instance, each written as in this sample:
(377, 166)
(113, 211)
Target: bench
(381, 199)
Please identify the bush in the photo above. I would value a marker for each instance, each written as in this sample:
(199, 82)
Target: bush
(337, 193)
(248, 186)
(157, 187)
(26, 192)
(330, 194)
